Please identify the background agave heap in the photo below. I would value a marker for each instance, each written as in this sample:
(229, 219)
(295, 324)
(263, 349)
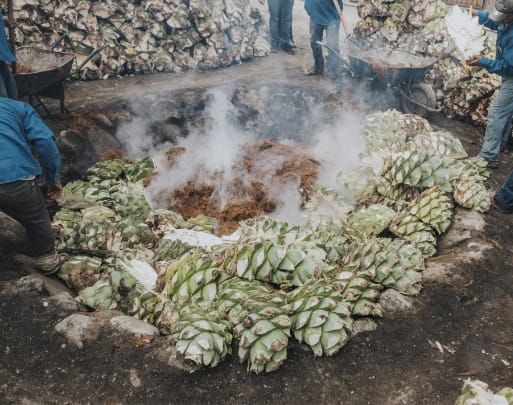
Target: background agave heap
(144, 36)
(433, 28)
(270, 281)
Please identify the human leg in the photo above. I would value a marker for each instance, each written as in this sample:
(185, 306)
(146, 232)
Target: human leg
(499, 119)
(503, 198)
(286, 22)
(316, 33)
(274, 23)
(334, 63)
(8, 86)
(23, 201)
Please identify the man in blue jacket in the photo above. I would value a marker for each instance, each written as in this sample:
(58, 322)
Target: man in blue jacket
(7, 84)
(501, 110)
(325, 16)
(20, 128)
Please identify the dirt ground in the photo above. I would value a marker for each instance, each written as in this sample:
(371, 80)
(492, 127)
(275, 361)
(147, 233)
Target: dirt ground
(461, 325)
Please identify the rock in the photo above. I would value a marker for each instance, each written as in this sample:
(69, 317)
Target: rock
(78, 329)
(103, 121)
(128, 324)
(64, 302)
(393, 301)
(101, 140)
(466, 224)
(107, 314)
(164, 354)
(77, 154)
(13, 237)
(21, 286)
(29, 283)
(363, 325)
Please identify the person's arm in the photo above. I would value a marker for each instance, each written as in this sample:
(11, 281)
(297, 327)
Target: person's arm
(484, 19)
(38, 134)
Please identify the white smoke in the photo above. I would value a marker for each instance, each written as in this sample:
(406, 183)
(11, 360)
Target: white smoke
(211, 155)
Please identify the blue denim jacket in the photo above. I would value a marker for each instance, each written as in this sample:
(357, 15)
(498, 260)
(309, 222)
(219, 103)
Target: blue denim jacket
(5, 50)
(503, 62)
(20, 127)
(323, 12)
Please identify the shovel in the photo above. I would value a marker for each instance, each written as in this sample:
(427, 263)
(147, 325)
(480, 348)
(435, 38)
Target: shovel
(12, 32)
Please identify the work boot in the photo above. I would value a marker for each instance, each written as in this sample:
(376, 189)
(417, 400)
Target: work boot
(288, 49)
(49, 264)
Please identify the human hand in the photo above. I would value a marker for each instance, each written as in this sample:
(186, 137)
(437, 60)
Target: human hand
(473, 60)
(10, 23)
(54, 190)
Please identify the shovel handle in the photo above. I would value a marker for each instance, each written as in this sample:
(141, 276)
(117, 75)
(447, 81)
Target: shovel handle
(12, 32)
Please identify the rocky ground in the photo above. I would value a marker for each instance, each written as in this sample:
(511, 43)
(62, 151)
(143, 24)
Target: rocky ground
(419, 353)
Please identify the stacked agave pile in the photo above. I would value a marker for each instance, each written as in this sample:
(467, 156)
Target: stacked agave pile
(145, 36)
(424, 28)
(271, 281)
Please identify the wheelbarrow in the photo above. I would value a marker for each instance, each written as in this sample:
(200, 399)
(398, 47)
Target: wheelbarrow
(48, 71)
(398, 70)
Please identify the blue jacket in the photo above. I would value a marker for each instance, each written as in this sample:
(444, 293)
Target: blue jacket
(6, 53)
(20, 126)
(323, 12)
(503, 62)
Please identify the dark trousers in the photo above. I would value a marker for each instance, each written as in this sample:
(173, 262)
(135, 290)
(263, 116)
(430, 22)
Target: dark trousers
(23, 201)
(316, 35)
(8, 88)
(280, 22)
(504, 196)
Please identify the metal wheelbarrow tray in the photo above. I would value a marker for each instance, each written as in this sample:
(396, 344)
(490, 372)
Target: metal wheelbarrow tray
(399, 67)
(401, 70)
(50, 69)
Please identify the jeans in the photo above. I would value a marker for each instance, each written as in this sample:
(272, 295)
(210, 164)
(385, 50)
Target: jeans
(499, 122)
(504, 196)
(280, 22)
(8, 88)
(334, 63)
(23, 201)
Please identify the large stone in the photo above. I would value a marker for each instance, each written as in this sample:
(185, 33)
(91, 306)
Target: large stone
(102, 141)
(79, 329)
(130, 325)
(393, 301)
(64, 303)
(13, 237)
(21, 286)
(363, 325)
(77, 154)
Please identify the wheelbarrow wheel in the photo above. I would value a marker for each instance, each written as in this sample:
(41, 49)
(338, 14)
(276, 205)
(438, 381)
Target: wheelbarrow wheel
(417, 97)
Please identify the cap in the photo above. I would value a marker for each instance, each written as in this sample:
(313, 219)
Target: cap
(497, 16)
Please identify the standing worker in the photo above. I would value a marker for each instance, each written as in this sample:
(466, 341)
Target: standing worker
(20, 197)
(280, 25)
(7, 84)
(325, 16)
(500, 112)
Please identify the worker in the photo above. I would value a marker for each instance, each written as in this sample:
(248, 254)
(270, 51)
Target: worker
(7, 84)
(500, 112)
(503, 198)
(280, 25)
(20, 197)
(325, 17)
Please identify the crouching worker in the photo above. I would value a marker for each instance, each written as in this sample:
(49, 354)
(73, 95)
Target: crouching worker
(20, 128)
